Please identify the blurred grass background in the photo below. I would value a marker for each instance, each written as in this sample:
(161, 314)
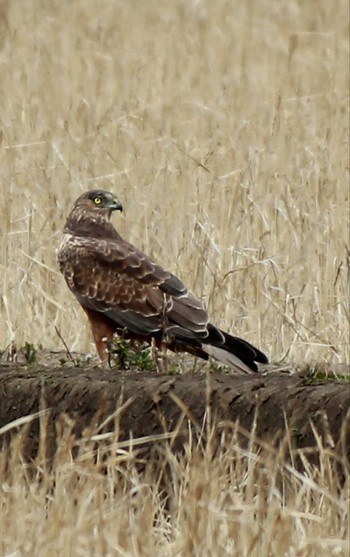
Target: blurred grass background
(223, 129)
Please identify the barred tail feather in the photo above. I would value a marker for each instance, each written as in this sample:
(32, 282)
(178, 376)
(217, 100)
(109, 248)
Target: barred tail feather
(232, 351)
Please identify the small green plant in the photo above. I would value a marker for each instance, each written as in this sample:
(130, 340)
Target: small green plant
(144, 360)
(30, 353)
(314, 374)
(215, 367)
(130, 354)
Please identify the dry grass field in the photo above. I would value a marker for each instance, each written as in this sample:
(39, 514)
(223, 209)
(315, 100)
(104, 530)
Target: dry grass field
(227, 503)
(222, 126)
(223, 129)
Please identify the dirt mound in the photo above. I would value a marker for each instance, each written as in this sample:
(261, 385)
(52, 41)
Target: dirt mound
(151, 404)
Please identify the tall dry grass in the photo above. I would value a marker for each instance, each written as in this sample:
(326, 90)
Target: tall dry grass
(222, 126)
(224, 502)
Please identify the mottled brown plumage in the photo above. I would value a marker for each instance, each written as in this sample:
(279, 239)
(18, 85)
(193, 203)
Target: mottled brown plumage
(121, 289)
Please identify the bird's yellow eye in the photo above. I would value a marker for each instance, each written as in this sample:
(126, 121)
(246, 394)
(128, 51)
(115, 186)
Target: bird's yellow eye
(97, 200)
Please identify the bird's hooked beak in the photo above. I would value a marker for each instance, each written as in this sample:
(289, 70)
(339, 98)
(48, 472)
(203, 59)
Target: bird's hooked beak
(114, 205)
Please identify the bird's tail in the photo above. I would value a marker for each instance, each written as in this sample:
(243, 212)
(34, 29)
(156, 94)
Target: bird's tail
(236, 353)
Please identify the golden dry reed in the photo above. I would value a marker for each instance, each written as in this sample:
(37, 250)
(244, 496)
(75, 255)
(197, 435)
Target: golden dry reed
(221, 126)
(210, 501)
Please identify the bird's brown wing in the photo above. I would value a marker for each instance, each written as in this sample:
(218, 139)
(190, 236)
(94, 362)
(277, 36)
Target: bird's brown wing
(118, 280)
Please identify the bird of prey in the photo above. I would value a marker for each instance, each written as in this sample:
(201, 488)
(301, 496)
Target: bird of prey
(122, 290)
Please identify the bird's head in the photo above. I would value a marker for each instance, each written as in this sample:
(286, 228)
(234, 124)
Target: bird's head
(93, 207)
(99, 201)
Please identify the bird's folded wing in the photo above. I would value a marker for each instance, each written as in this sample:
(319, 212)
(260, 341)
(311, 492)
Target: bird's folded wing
(122, 282)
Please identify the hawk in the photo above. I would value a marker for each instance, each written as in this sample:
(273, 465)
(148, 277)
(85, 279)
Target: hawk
(123, 291)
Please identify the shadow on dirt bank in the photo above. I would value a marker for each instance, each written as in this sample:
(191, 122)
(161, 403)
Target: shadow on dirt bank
(149, 404)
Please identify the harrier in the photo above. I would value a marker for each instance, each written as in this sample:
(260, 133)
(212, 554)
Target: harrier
(123, 291)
